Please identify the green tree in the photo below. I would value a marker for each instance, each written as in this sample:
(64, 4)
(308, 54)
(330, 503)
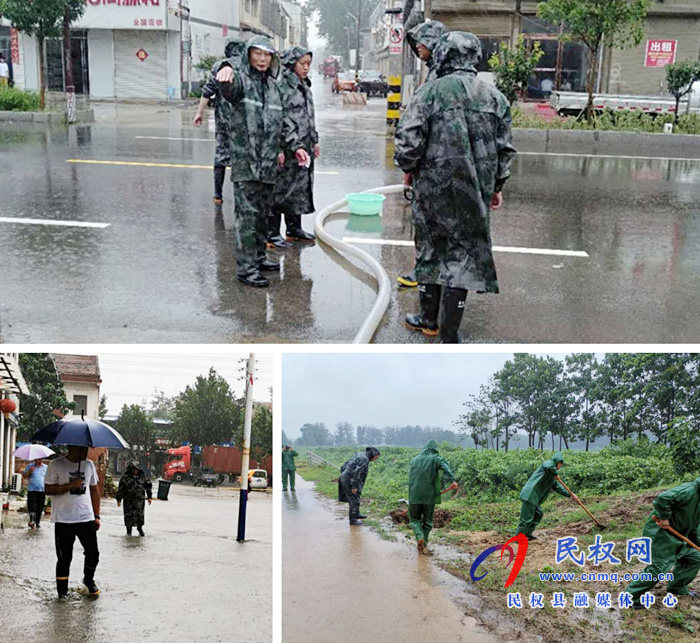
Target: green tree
(207, 412)
(162, 406)
(46, 398)
(680, 77)
(337, 21)
(314, 435)
(285, 439)
(102, 411)
(616, 24)
(581, 373)
(137, 428)
(684, 437)
(344, 434)
(42, 19)
(261, 433)
(513, 66)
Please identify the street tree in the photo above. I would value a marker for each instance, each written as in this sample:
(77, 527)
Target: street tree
(208, 412)
(617, 24)
(261, 433)
(680, 77)
(102, 411)
(337, 20)
(44, 19)
(315, 435)
(46, 399)
(137, 428)
(513, 66)
(162, 406)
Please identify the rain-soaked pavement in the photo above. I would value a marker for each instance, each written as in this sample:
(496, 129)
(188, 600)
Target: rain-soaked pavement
(163, 270)
(347, 585)
(187, 580)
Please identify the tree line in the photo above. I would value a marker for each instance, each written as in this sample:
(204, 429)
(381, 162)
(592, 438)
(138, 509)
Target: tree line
(583, 398)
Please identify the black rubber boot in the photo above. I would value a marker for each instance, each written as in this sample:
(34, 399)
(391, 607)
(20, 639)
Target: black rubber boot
(91, 586)
(451, 311)
(62, 587)
(219, 176)
(256, 280)
(140, 530)
(294, 231)
(274, 238)
(426, 320)
(128, 531)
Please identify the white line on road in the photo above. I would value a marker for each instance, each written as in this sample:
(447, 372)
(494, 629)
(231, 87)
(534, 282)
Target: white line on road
(173, 138)
(609, 156)
(524, 251)
(69, 224)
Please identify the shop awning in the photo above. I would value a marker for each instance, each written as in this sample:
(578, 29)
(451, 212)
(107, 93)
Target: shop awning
(11, 379)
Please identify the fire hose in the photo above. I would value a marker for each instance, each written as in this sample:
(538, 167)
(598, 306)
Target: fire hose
(371, 323)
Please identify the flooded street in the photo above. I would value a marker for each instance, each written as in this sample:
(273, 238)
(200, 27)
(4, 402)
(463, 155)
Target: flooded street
(347, 585)
(186, 580)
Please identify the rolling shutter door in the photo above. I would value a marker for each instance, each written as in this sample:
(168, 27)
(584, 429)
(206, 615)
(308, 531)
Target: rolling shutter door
(134, 79)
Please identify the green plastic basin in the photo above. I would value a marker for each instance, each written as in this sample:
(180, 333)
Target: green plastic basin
(365, 204)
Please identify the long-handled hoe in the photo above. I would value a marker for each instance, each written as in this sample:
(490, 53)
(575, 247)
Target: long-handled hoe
(582, 505)
(677, 535)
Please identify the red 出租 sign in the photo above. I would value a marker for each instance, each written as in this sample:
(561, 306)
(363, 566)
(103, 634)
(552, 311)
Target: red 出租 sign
(660, 53)
(14, 46)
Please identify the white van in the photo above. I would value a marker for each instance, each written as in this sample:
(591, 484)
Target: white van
(257, 478)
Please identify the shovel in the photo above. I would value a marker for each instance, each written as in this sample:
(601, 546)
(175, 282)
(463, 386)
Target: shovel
(582, 505)
(676, 534)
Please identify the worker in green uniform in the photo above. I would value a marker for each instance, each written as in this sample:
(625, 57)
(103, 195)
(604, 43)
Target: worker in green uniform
(424, 486)
(289, 467)
(535, 492)
(678, 508)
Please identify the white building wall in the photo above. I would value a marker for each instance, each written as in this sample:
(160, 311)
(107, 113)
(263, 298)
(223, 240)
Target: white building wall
(173, 48)
(30, 61)
(101, 57)
(90, 390)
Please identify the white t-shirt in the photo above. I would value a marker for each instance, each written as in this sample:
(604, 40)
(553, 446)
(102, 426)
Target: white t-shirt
(4, 70)
(71, 507)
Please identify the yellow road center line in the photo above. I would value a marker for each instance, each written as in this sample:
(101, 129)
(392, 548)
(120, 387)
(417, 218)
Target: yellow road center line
(168, 165)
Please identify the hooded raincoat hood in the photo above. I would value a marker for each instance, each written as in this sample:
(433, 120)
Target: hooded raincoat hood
(291, 57)
(372, 452)
(424, 479)
(235, 49)
(543, 482)
(264, 43)
(427, 34)
(456, 51)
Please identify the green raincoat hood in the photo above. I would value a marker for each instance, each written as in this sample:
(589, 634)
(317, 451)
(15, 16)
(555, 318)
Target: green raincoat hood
(430, 447)
(264, 43)
(456, 51)
(558, 457)
(427, 34)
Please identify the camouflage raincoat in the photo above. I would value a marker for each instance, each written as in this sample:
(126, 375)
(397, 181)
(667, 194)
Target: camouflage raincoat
(294, 190)
(352, 476)
(427, 34)
(256, 120)
(455, 139)
(222, 108)
(134, 488)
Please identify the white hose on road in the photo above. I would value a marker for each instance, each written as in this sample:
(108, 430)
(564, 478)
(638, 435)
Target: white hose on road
(371, 323)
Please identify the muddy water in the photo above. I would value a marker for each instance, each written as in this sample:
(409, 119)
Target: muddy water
(344, 584)
(187, 580)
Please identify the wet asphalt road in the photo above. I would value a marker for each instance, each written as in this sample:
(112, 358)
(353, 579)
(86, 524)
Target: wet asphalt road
(163, 270)
(347, 585)
(187, 580)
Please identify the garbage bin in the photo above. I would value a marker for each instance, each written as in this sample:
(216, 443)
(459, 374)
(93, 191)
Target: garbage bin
(163, 489)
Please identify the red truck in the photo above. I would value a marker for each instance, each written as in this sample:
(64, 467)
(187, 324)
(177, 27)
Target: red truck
(330, 67)
(220, 460)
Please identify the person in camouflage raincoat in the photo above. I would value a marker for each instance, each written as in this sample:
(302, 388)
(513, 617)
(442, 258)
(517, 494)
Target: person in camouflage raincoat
(422, 39)
(134, 489)
(454, 139)
(256, 144)
(352, 479)
(294, 190)
(222, 117)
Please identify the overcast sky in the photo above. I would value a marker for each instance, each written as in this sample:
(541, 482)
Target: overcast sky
(379, 390)
(131, 378)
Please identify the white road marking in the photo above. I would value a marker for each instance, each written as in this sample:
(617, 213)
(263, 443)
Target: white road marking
(512, 249)
(68, 224)
(608, 156)
(173, 138)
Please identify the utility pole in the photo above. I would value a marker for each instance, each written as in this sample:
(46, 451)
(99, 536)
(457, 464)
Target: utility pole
(245, 460)
(68, 69)
(357, 51)
(393, 97)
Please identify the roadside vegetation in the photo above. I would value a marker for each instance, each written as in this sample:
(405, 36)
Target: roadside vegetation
(16, 100)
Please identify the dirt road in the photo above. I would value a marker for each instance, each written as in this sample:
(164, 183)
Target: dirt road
(346, 584)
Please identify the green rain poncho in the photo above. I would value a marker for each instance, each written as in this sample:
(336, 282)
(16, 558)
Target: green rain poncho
(288, 463)
(424, 476)
(543, 482)
(681, 507)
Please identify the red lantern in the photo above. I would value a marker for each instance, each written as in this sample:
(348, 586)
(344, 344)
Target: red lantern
(7, 407)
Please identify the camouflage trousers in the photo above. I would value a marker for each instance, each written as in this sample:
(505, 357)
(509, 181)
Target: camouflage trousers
(353, 500)
(252, 201)
(134, 512)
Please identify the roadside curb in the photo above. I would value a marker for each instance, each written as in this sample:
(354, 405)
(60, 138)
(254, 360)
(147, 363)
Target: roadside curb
(52, 118)
(604, 142)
